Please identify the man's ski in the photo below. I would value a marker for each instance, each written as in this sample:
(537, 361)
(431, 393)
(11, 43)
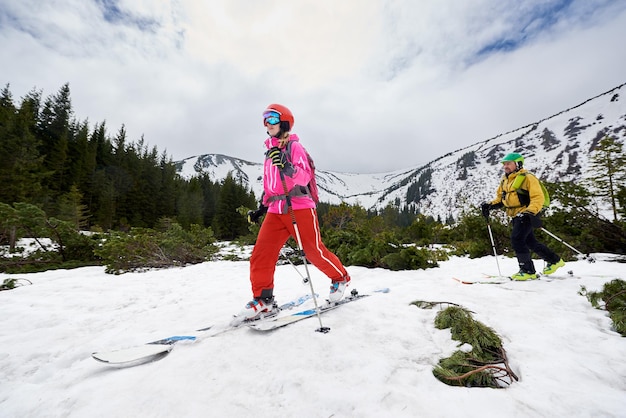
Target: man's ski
(282, 321)
(557, 276)
(495, 279)
(485, 280)
(156, 350)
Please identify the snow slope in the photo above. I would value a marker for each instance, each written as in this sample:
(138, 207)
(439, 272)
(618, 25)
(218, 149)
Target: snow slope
(376, 361)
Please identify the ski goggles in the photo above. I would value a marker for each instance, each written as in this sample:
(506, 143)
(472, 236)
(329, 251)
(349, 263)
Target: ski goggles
(272, 118)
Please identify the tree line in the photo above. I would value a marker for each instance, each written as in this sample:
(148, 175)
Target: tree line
(81, 174)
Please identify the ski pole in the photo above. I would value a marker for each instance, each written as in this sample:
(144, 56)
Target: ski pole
(305, 279)
(585, 257)
(493, 247)
(322, 328)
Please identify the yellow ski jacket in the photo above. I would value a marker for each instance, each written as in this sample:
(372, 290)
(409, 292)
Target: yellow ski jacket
(508, 196)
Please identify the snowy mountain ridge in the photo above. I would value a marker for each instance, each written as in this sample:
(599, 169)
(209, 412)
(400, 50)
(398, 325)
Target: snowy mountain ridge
(556, 149)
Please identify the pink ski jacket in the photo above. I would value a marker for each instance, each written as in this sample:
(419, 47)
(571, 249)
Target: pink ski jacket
(274, 192)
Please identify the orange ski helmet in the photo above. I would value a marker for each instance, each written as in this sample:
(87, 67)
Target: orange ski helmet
(286, 117)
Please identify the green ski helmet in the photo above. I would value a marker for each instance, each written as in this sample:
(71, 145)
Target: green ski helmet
(518, 158)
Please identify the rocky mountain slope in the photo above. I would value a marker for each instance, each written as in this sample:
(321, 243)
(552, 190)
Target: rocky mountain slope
(556, 149)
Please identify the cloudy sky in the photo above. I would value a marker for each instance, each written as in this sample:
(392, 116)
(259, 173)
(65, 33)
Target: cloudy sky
(375, 85)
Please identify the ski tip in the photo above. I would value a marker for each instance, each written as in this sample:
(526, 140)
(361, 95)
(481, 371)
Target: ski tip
(383, 290)
(133, 356)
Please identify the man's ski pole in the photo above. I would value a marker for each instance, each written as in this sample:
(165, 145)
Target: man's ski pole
(587, 257)
(322, 328)
(493, 244)
(493, 247)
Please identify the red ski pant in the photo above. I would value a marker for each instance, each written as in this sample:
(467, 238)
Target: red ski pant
(275, 231)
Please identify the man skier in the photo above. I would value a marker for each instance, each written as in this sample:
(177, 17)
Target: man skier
(521, 195)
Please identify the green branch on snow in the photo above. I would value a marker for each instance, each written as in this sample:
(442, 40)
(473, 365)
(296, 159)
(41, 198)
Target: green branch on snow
(613, 297)
(485, 365)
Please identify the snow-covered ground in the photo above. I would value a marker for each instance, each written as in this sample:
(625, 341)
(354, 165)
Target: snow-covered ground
(376, 361)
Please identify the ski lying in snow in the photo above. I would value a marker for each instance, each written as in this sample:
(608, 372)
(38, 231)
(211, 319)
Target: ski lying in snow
(540, 276)
(484, 280)
(144, 353)
(282, 321)
(156, 350)
(494, 279)
(139, 354)
(551, 277)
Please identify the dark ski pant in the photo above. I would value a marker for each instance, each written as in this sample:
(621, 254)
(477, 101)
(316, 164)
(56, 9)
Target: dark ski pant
(275, 231)
(523, 241)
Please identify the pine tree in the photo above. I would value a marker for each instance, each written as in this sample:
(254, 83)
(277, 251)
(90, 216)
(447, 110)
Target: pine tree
(166, 202)
(621, 198)
(103, 201)
(83, 160)
(7, 109)
(9, 223)
(54, 131)
(104, 149)
(71, 208)
(211, 193)
(21, 169)
(228, 222)
(146, 186)
(190, 203)
(607, 165)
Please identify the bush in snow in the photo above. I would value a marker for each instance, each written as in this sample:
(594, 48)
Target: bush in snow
(480, 361)
(613, 297)
(143, 248)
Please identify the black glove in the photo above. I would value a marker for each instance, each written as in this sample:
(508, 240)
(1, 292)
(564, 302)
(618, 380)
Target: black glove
(534, 220)
(485, 208)
(279, 159)
(254, 215)
(531, 218)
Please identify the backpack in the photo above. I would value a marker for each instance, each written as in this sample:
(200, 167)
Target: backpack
(523, 195)
(312, 186)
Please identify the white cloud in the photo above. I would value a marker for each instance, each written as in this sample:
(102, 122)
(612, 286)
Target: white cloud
(374, 86)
